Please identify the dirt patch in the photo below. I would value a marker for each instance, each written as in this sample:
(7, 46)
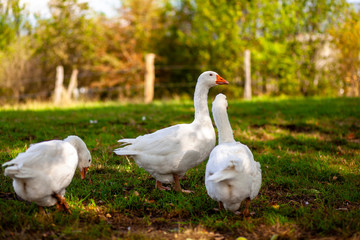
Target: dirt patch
(303, 127)
(286, 196)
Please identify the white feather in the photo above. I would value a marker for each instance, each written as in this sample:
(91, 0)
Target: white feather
(228, 173)
(231, 175)
(46, 168)
(175, 149)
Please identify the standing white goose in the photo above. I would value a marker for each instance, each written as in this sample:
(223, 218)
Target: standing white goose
(231, 175)
(168, 153)
(45, 169)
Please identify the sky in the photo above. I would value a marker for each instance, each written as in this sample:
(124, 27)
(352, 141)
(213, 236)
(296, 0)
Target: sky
(108, 7)
(105, 6)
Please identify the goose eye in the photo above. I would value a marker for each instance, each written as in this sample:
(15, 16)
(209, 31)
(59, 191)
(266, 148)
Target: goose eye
(211, 74)
(89, 160)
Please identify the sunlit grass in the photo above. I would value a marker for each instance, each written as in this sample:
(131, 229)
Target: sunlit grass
(308, 148)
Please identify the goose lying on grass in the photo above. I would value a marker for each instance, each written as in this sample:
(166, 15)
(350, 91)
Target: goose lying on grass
(43, 171)
(168, 153)
(231, 174)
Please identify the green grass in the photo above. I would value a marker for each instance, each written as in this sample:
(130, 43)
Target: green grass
(309, 150)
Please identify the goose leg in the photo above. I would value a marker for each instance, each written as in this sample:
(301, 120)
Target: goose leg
(59, 207)
(246, 210)
(159, 185)
(61, 204)
(177, 185)
(221, 206)
(41, 210)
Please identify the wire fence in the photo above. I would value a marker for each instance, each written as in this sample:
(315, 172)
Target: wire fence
(88, 92)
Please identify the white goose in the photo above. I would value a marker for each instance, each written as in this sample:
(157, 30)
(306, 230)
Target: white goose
(231, 175)
(168, 153)
(43, 171)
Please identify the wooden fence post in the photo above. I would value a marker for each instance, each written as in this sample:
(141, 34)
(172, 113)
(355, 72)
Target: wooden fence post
(72, 84)
(247, 66)
(149, 77)
(59, 84)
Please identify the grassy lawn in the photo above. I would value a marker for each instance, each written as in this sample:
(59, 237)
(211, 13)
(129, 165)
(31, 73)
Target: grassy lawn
(309, 151)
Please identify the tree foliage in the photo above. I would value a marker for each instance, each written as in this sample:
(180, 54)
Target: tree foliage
(346, 37)
(67, 38)
(12, 21)
(285, 39)
(15, 52)
(296, 46)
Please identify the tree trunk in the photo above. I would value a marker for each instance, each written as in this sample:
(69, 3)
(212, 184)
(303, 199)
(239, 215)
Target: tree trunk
(73, 83)
(149, 77)
(58, 84)
(247, 66)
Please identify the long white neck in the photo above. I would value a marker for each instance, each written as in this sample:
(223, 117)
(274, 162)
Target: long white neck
(223, 125)
(77, 143)
(201, 102)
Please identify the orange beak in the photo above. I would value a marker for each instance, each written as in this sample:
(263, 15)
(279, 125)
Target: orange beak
(83, 172)
(220, 80)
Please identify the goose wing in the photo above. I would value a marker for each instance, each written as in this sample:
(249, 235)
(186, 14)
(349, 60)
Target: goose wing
(41, 158)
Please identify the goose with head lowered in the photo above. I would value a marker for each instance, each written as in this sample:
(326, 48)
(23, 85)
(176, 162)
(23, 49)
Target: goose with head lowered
(231, 175)
(42, 173)
(169, 152)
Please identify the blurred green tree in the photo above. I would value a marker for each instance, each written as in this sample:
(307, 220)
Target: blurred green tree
(12, 21)
(346, 37)
(68, 38)
(15, 50)
(289, 43)
(285, 38)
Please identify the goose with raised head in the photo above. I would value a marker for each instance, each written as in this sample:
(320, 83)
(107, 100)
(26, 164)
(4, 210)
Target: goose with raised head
(169, 152)
(231, 175)
(42, 173)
